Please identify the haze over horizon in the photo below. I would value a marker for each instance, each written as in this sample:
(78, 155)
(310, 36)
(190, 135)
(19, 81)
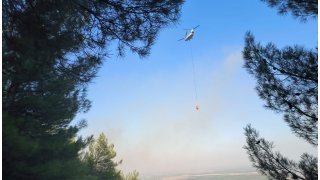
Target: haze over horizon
(146, 107)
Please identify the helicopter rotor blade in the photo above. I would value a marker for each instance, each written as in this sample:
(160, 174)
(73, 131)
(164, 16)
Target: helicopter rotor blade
(196, 27)
(181, 39)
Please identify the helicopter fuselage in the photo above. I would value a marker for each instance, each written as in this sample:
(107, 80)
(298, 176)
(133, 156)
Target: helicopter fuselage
(189, 36)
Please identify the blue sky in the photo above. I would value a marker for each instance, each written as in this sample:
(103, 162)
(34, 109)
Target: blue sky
(146, 107)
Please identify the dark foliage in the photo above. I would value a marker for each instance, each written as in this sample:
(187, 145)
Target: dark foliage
(288, 82)
(302, 9)
(273, 164)
(52, 49)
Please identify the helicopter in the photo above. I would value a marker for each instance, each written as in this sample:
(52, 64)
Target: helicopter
(189, 35)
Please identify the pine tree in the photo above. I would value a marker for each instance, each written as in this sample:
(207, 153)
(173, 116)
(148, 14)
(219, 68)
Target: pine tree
(287, 80)
(134, 175)
(99, 159)
(51, 52)
(301, 9)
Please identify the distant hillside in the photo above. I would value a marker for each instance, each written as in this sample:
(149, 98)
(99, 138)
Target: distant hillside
(213, 176)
